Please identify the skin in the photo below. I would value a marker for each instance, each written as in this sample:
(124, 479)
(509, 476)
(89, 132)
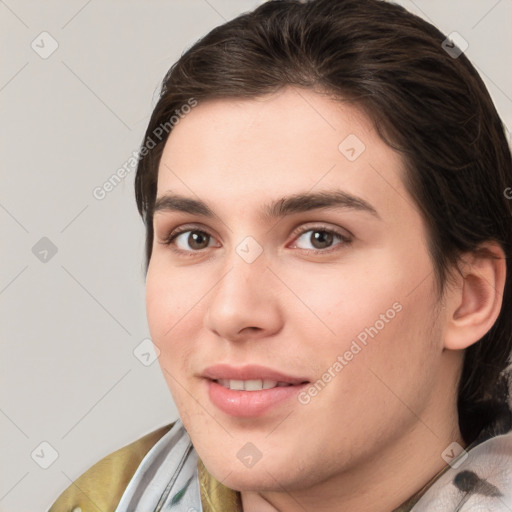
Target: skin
(375, 433)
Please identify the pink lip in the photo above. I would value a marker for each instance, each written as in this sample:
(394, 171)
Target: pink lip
(245, 404)
(249, 372)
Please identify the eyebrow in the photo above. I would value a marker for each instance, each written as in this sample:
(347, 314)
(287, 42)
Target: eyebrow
(296, 203)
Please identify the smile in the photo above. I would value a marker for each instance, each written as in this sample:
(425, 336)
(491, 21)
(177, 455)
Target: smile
(251, 390)
(251, 385)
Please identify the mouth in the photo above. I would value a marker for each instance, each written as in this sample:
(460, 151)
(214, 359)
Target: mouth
(251, 385)
(249, 391)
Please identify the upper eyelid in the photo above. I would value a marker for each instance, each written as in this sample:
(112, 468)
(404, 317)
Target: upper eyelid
(320, 226)
(166, 216)
(183, 228)
(346, 238)
(301, 228)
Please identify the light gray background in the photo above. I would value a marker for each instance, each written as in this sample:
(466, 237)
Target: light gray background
(70, 324)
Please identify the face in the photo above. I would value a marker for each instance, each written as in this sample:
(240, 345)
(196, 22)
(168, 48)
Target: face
(288, 256)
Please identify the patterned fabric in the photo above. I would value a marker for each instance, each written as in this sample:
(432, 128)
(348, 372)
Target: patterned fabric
(482, 482)
(166, 479)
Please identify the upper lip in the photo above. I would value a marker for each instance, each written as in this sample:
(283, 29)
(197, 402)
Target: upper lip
(249, 372)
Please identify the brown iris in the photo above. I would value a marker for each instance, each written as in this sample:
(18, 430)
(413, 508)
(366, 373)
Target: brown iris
(321, 239)
(198, 240)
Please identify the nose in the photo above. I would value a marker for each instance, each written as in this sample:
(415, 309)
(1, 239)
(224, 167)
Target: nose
(245, 303)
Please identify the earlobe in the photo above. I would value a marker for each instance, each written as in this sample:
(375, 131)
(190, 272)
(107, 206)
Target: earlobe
(475, 301)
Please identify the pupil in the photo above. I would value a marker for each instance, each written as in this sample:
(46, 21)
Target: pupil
(197, 240)
(321, 239)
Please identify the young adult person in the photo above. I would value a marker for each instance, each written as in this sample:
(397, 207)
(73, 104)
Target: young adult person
(329, 284)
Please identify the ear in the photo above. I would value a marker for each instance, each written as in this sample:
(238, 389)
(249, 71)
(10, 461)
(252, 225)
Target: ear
(474, 301)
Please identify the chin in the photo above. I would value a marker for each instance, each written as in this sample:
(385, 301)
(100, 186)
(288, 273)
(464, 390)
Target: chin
(251, 480)
(265, 475)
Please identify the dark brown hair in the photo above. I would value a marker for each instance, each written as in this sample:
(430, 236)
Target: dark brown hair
(430, 106)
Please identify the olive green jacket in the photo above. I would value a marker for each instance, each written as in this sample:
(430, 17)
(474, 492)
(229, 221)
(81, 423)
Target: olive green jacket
(100, 488)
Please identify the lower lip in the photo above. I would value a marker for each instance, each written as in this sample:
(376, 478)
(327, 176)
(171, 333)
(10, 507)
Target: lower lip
(246, 404)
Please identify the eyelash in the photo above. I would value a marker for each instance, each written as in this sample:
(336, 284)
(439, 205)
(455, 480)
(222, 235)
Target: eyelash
(345, 240)
(169, 239)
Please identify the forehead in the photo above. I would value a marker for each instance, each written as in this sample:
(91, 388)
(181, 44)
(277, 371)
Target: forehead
(237, 152)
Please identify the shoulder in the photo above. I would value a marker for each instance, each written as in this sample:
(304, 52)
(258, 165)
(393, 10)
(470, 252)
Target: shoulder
(102, 485)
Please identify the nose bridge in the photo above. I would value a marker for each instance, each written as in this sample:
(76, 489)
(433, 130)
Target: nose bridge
(243, 276)
(245, 264)
(242, 298)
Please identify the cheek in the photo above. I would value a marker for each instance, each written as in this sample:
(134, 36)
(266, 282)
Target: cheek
(373, 322)
(166, 309)
(172, 296)
(357, 300)
(174, 314)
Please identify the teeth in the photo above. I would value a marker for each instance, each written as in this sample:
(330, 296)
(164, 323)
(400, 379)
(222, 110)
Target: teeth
(250, 385)
(253, 385)
(267, 384)
(236, 384)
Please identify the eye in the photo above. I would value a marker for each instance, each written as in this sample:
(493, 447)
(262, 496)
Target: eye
(190, 240)
(319, 239)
